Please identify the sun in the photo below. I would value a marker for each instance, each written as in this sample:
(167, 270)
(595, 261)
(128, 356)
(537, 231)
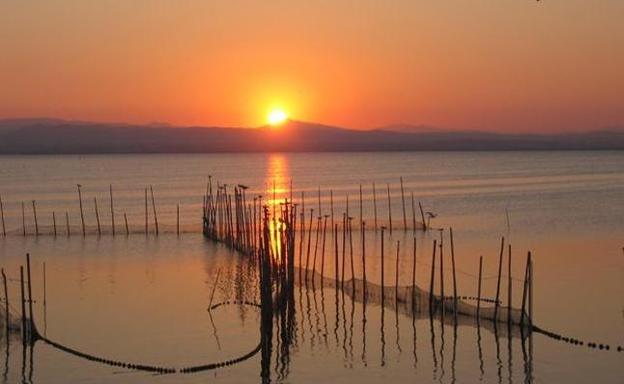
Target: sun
(276, 117)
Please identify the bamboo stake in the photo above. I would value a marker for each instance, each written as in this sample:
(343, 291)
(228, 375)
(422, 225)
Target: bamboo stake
(351, 253)
(126, 221)
(531, 319)
(442, 298)
(35, 217)
(30, 309)
(403, 201)
(112, 208)
(84, 231)
(67, 223)
(23, 296)
(336, 253)
(498, 281)
(422, 215)
(432, 280)
(2, 216)
(361, 208)
(146, 213)
(375, 205)
(454, 275)
(54, 222)
(6, 303)
(331, 206)
(479, 287)
(178, 219)
(414, 275)
(389, 209)
(97, 216)
(364, 294)
(383, 228)
(307, 267)
(154, 209)
(509, 286)
(323, 249)
(396, 276)
(413, 214)
(23, 220)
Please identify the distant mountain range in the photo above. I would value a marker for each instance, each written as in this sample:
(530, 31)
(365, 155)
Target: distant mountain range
(53, 136)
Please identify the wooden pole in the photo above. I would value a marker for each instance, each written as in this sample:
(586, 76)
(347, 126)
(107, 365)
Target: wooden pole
(6, 303)
(178, 219)
(454, 275)
(154, 209)
(23, 295)
(524, 289)
(126, 221)
(30, 309)
(498, 281)
(323, 249)
(2, 216)
(67, 223)
(383, 228)
(331, 206)
(336, 255)
(422, 216)
(479, 287)
(432, 280)
(509, 285)
(414, 275)
(396, 276)
(375, 205)
(97, 216)
(320, 211)
(389, 209)
(531, 319)
(413, 214)
(34, 206)
(54, 222)
(84, 231)
(23, 220)
(442, 298)
(146, 213)
(344, 247)
(364, 262)
(307, 267)
(361, 208)
(403, 202)
(112, 208)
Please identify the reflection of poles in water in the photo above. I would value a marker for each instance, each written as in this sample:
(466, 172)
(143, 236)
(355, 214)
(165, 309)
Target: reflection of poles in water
(479, 350)
(414, 279)
(499, 362)
(479, 288)
(383, 335)
(434, 354)
(442, 344)
(396, 276)
(454, 357)
(414, 339)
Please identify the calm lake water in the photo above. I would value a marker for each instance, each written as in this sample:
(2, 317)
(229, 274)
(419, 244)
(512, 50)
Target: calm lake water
(144, 299)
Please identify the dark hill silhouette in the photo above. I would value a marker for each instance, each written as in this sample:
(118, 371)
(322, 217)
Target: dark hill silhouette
(51, 136)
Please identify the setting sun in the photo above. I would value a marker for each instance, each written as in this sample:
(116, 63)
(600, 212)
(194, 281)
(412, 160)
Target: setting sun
(276, 117)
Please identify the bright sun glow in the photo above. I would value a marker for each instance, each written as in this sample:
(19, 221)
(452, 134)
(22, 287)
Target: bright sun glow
(276, 117)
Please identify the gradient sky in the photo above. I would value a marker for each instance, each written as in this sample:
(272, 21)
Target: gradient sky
(504, 65)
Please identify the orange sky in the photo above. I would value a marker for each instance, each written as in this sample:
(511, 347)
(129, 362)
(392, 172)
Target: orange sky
(507, 65)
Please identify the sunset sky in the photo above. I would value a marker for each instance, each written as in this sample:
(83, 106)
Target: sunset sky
(501, 65)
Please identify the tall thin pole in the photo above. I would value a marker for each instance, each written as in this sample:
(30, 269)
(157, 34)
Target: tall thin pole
(97, 216)
(414, 275)
(34, 206)
(178, 219)
(509, 285)
(54, 222)
(6, 303)
(154, 209)
(498, 281)
(146, 213)
(2, 216)
(364, 261)
(375, 205)
(84, 231)
(23, 295)
(361, 208)
(23, 220)
(331, 206)
(432, 280)
(112, 208)
(531, 319)
(454, 275)
(413, 214)
(422, 216)
(403, 201)
(389, 208)
(382, 265)
(30, 309)
(67, 223)
(126, 221)
(479, 287)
